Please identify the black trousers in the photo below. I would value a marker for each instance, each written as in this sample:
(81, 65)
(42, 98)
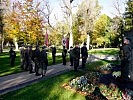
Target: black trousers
(71, 61)
(53, 56)
(76, 64)
(37, 66)
(83, 62)
(64, 60)
(30, 67)
(12, 60)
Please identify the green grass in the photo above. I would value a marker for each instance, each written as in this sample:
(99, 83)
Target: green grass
(94, 66)
(6, 69)
(51, 89)
(105, 51)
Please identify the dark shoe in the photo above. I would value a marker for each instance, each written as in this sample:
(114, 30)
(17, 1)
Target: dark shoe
(43, 75)
(31, 72)
(38, 74)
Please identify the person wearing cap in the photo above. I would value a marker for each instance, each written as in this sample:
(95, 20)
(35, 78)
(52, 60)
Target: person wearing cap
(53, 53)
(76, 56)
(71, 56)
(43, 61)
(126, 59)
(84, 54)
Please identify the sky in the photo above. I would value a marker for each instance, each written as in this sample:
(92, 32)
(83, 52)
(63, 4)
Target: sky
(107, 8)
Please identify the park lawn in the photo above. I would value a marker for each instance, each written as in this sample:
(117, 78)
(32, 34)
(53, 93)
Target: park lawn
(6, 69)
(50, 89)
(105, 51)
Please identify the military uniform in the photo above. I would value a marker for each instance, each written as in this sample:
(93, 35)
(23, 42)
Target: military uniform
(76, 55)
(22, 57)
(43, 61)
(71, 56)
(12, 56)
(84, 54)
(26, 57)
(64, 52)
(53, 54)
(31, 59)
(37, 60)
(126, 62)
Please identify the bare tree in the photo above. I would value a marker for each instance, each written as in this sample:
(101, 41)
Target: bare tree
(67, 9)
(117, 5)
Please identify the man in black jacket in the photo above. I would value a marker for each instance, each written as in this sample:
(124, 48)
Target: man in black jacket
(43, 61)
(76, 56)
(126, 62)
(84, 54)
(37, 60)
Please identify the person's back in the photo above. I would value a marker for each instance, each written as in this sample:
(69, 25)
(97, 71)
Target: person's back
(76, 56)
(84, 51)
(64, 52)
(76, 53)
(43, 57)
(12, 56)
(53, 50)
(43, 61)
(36, 57)
(37, 54)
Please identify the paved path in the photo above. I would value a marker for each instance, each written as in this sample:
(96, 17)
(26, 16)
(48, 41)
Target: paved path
(20, 80)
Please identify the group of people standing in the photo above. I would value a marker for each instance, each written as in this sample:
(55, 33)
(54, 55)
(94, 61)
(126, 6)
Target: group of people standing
(36, 59)
(75, 56)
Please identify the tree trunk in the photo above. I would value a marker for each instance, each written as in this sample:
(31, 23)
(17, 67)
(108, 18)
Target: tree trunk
(1, 43)
(70, 28)
(88, 41)
(16, 44)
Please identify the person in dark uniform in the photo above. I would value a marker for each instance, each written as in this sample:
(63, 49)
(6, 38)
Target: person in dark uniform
(76, 56)
(64, 52)
(43, 61)
(71, 56)
(22, 59)
(31, 59)
(126, 60)
(12, 56)
(37, 60)
(53, 53)
(26, 57)
(84, 54)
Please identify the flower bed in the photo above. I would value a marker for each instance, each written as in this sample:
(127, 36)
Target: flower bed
(88, 85)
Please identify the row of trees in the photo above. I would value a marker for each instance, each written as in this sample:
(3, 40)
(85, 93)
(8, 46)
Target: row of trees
(26, 22)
